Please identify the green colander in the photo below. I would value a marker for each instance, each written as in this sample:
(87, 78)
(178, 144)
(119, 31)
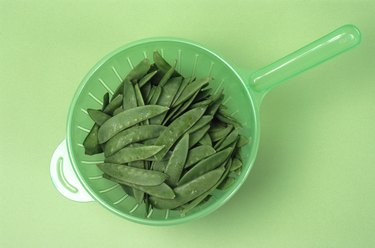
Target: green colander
(75, 174)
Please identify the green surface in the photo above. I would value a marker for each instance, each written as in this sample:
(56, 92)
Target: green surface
(313, 183)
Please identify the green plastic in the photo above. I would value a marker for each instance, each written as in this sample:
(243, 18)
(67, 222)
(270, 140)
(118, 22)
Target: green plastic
(243, 94)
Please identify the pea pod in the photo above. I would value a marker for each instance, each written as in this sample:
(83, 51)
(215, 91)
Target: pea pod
(127, 119)
(196, 136)
(227, 119)
(187, 207)
(242, 141)
(185, 106)
(147, 78)
(177, 161)
(226, 183)
(98, 116)
(159, 165)
(168, 92)
(232, 137)
(171, 113)
(206, 140)
(114, 104)
(135, 74)
(130, 99)
(202, 122)
(146, 89)
(203, 95)
(190, 90)
(176, 129)
(189, 191)
(138, 194)
(130, 154)
(133, 175)
(219, 134)
(160, 62)
(105, 100)
(205, 165)
(118, 111)
(170, 89)
(155, 97)
(128, 190)
(150, 94)
(214, 106)
(162, 191)
(167, 75)
(197, 154)
(183, 85)
(132, 135)
(90, 143)
(235, 164)
(209, 100)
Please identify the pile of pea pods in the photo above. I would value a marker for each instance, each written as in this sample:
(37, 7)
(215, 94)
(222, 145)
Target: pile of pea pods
(168, 140)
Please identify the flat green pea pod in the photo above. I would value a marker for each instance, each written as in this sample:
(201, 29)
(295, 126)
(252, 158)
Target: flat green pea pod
(132, 135)
(242, 141)
(220, 133)
(176, 129)
(98, 116)
(191, 89)
(90, 143)
(177, 161)
(146, 89)
(138, 194)
(203, 95)
(169, 90)
(133, 175)
(113, 105)
(214, 106)
(147, 78)
(197, 154)
(127, 119)
(162, 191)
(187, 207)
(223, 116)
(185, 106)
(208, 164)
(196, 136)
(232, 137)
(167, 75)
(209, 100)
(150, 94)
(183, 85)
(235, 164)
(151, 141)
(159, 165)
(155, 97)
(206, 140)
(171, 114)
(160, 62)
(189, 191)
(118, 111)
(136, 73)
(226, 183)
(105, 100)
(206, 119)
(138, 95)
(129, 99)
(237, 172)
(130, 154)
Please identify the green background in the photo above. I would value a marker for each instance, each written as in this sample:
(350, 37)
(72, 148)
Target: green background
(313, 183)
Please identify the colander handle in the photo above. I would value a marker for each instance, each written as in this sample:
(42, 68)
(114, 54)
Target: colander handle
(315, 53)
(64, 177)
